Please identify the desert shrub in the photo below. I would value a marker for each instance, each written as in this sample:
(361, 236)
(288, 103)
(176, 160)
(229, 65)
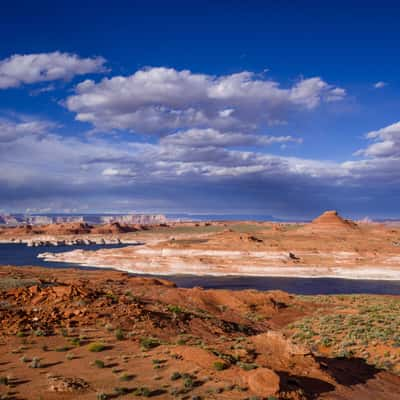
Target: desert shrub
(142, 391)
(99, 363)
(248, 366)
(75, 341)
(102, 396)
(220, 365)
(175, 309)
(188, 382)
(4, 380)
(125, 377)
(96, 347)
(62, 349)
(35, 363)
(175, 376)
(149, 343)
(120, 391)
(119, 334)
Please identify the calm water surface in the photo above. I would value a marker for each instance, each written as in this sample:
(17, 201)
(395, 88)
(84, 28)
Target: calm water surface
(19, 254)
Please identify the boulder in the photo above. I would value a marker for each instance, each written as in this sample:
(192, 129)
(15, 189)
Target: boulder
(263, 382)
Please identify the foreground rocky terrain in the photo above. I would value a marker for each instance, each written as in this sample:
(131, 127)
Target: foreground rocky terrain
(330, 246)
(68, 334)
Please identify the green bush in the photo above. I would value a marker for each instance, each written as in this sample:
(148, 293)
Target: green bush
(96, 347)
(220, 365)
(119, 334)
(142, 391)
(99, 363)
(175, 376)
(149, 343)
(125, 377)
(3, 380)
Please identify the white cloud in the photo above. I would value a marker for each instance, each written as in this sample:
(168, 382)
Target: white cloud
(387, 142)
(380, 85)
(13, 129)
(164, 100)
(44, 67)
(121, 172)
(214, 138)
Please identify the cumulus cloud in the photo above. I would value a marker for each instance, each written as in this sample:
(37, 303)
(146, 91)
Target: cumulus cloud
(164, 100)
(22, 69)
(386, 142)
(380, 85)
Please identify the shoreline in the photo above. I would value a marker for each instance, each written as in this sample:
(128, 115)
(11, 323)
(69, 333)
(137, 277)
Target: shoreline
(391, 274)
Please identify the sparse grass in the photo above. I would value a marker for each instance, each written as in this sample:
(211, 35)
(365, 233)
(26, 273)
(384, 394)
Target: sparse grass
(11, 283)
(353, 325)
(248, 228)
(187, 229)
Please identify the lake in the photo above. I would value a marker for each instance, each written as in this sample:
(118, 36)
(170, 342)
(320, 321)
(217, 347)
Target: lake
(20, 255)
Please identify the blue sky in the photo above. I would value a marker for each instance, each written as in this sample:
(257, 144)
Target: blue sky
(238, 107)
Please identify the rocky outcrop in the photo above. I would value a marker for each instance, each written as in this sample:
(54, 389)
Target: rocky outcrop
(332, 219)
(62, 384)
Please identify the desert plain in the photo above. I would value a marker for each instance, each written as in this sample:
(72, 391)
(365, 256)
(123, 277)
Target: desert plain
(329, 246)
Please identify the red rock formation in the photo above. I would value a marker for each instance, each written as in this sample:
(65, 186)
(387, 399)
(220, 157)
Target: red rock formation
(332, 219)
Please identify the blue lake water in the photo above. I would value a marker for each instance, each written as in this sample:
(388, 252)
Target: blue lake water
(20, 255)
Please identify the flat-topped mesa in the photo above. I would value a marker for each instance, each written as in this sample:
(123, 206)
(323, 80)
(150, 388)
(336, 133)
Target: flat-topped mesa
(332, 219)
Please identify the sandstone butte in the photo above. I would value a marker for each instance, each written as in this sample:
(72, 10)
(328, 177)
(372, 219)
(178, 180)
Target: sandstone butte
(332, 219)
(80, 334)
